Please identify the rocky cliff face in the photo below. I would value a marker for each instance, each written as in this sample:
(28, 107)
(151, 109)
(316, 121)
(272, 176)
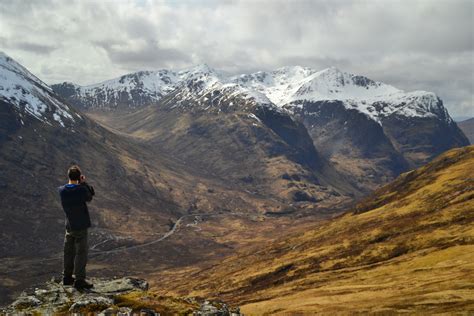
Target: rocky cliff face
(375, 151)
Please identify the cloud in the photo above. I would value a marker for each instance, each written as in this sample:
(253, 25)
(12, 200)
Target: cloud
(34, 47)
(143, 53)
(31, 47)
(412, 44)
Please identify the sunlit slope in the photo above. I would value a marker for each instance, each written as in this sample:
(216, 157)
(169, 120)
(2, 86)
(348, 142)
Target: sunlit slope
(408, 248)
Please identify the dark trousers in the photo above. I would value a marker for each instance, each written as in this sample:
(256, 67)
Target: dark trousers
(75, 253)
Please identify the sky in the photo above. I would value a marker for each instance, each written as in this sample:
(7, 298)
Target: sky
(411, 44)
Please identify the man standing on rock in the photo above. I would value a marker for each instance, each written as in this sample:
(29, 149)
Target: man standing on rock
(74, 196)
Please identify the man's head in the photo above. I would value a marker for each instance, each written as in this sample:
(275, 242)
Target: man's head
(74, 173)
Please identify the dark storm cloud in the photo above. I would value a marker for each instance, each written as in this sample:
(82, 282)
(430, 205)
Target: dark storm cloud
(412, 44)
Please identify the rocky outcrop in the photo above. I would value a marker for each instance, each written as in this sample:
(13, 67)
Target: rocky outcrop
(54, 297)
(123, 296)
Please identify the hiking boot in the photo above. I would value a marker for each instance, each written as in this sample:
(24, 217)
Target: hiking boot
(82, 285)
(68, 281)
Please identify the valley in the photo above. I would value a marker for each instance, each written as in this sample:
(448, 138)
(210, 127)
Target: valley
(409, 247)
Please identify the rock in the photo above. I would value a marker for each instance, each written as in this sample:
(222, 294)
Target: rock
(124, 311)
(54, 297)
(302, 196)
(216, 309)
(148, 312)
(88, 302)
(120, 285)
(111, 311)
(121, 311)
(26, 302)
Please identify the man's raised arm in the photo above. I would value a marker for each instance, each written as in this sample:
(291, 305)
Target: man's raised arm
(89, 189)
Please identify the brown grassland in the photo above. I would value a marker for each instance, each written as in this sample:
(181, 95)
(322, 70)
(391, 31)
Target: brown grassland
(407, 248)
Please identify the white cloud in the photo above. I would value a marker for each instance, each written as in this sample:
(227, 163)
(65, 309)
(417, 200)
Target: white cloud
(411, 44)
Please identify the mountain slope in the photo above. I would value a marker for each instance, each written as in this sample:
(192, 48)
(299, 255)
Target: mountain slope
(408, 248)
(467, 126)
(30, 96)
(240, 141)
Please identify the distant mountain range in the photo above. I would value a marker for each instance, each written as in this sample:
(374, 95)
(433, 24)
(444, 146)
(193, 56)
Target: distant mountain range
(286, 87)
(368, 130)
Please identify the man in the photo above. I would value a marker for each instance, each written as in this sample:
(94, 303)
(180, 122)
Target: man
(74, 196)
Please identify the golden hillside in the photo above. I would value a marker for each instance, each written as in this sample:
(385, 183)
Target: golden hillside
(408, 248)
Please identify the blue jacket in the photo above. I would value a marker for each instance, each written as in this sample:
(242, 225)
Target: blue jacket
(73, 200)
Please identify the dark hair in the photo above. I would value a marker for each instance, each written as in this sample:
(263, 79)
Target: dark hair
(74, 173)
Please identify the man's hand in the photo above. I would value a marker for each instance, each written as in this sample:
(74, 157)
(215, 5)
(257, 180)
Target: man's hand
(82, 179)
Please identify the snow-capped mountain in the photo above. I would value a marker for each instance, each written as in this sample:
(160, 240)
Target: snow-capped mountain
(148, 87)
(30, 96)
(290, 86)
(286, 87)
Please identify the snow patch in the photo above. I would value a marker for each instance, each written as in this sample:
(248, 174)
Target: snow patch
(253, 116)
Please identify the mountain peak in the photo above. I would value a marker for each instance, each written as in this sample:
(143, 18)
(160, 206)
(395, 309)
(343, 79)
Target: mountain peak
(331, 69)
(30, 96)
(199, 69)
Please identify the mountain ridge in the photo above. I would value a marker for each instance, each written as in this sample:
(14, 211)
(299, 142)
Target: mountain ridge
(282, 87)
